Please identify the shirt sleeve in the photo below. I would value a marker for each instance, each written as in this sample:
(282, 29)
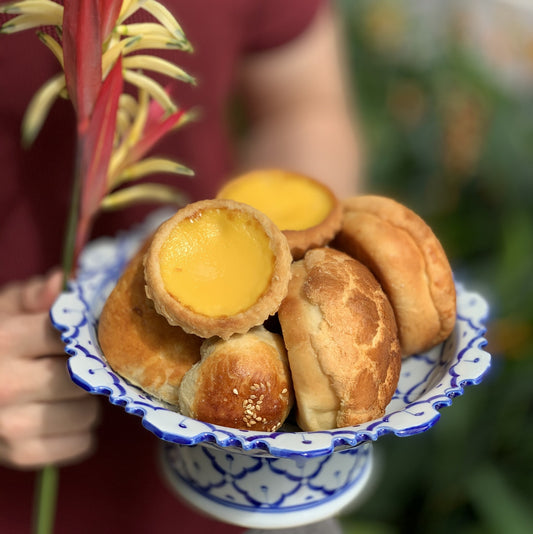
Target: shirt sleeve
(272, 23)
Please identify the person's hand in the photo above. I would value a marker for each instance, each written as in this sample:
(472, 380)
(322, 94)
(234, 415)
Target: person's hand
(44, 417)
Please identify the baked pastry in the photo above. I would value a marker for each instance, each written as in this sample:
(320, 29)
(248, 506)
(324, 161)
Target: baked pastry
(306, 210)
(408, 260)
(242, 383)
(138, 343)
(217, 267)
(341, 339)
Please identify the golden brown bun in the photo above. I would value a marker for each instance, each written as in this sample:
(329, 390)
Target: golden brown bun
(243, 382)
(138, 343)
(223, 325)
(408, 260)
(341, 338)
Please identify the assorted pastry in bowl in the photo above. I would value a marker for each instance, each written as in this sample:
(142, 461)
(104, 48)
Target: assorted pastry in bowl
(243, 312)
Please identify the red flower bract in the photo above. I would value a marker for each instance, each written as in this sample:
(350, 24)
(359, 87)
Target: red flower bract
(82, 42)
(86, 23)
(95, 148)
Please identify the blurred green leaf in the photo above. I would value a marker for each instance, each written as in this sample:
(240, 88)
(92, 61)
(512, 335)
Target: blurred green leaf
(354, 526)
(499, 506)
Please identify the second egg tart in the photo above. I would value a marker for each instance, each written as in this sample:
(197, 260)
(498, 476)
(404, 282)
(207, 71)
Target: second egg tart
(306, 210)
(217, 267)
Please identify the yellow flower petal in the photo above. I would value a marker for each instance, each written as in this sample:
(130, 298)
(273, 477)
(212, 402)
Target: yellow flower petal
(154, 41)
(144, 28)
(128, 8)
(164, 16)
(129, 137)
(158, 64)
(39, 107)
(123, 124)
(128, 104)
(143, 193)
(113, 52)
(154, 89)
(26, 22)
(139, 119)
(151, 166)
(36, 7)
(53, 46)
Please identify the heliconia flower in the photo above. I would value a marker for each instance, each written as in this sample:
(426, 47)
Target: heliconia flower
(94, 46)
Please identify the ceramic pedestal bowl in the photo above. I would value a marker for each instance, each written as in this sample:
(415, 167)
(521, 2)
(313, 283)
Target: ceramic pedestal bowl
(257, 479)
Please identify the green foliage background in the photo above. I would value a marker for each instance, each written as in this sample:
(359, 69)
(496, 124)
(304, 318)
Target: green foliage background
(448, 138)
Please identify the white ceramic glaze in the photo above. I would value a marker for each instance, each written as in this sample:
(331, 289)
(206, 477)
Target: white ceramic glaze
(259, 479)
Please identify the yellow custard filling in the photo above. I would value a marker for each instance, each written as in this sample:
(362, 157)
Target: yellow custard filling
(217, 263)
(292, 201)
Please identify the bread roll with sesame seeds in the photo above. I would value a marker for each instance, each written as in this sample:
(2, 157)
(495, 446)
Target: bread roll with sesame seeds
(342, 341)
(243, 382)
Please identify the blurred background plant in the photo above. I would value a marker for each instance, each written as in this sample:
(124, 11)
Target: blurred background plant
(445, 96)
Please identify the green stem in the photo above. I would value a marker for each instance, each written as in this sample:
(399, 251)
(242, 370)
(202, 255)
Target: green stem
(46, 486)
(69, 243)
(46, 497)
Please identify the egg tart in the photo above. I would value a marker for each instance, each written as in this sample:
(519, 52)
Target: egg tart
(217, 267)
(306, 210)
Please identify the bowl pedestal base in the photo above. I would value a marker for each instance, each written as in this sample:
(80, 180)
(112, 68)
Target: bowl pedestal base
(257, 490)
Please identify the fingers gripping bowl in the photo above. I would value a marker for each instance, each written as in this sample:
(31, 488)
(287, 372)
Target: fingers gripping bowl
(258, 478)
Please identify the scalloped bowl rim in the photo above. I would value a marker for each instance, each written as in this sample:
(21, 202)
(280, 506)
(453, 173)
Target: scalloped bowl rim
(278, 444)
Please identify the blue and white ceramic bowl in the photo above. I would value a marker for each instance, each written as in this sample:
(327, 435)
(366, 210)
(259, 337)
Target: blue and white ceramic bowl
(257, 479)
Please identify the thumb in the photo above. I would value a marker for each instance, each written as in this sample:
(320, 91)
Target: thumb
(39, 294)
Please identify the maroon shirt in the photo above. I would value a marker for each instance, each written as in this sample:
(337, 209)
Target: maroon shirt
(118, 489)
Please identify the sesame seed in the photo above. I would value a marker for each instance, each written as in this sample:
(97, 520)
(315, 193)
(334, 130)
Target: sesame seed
(235, 391)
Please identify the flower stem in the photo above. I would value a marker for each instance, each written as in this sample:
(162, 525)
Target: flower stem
(70, 240)
(48, 477)
(45, 499)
